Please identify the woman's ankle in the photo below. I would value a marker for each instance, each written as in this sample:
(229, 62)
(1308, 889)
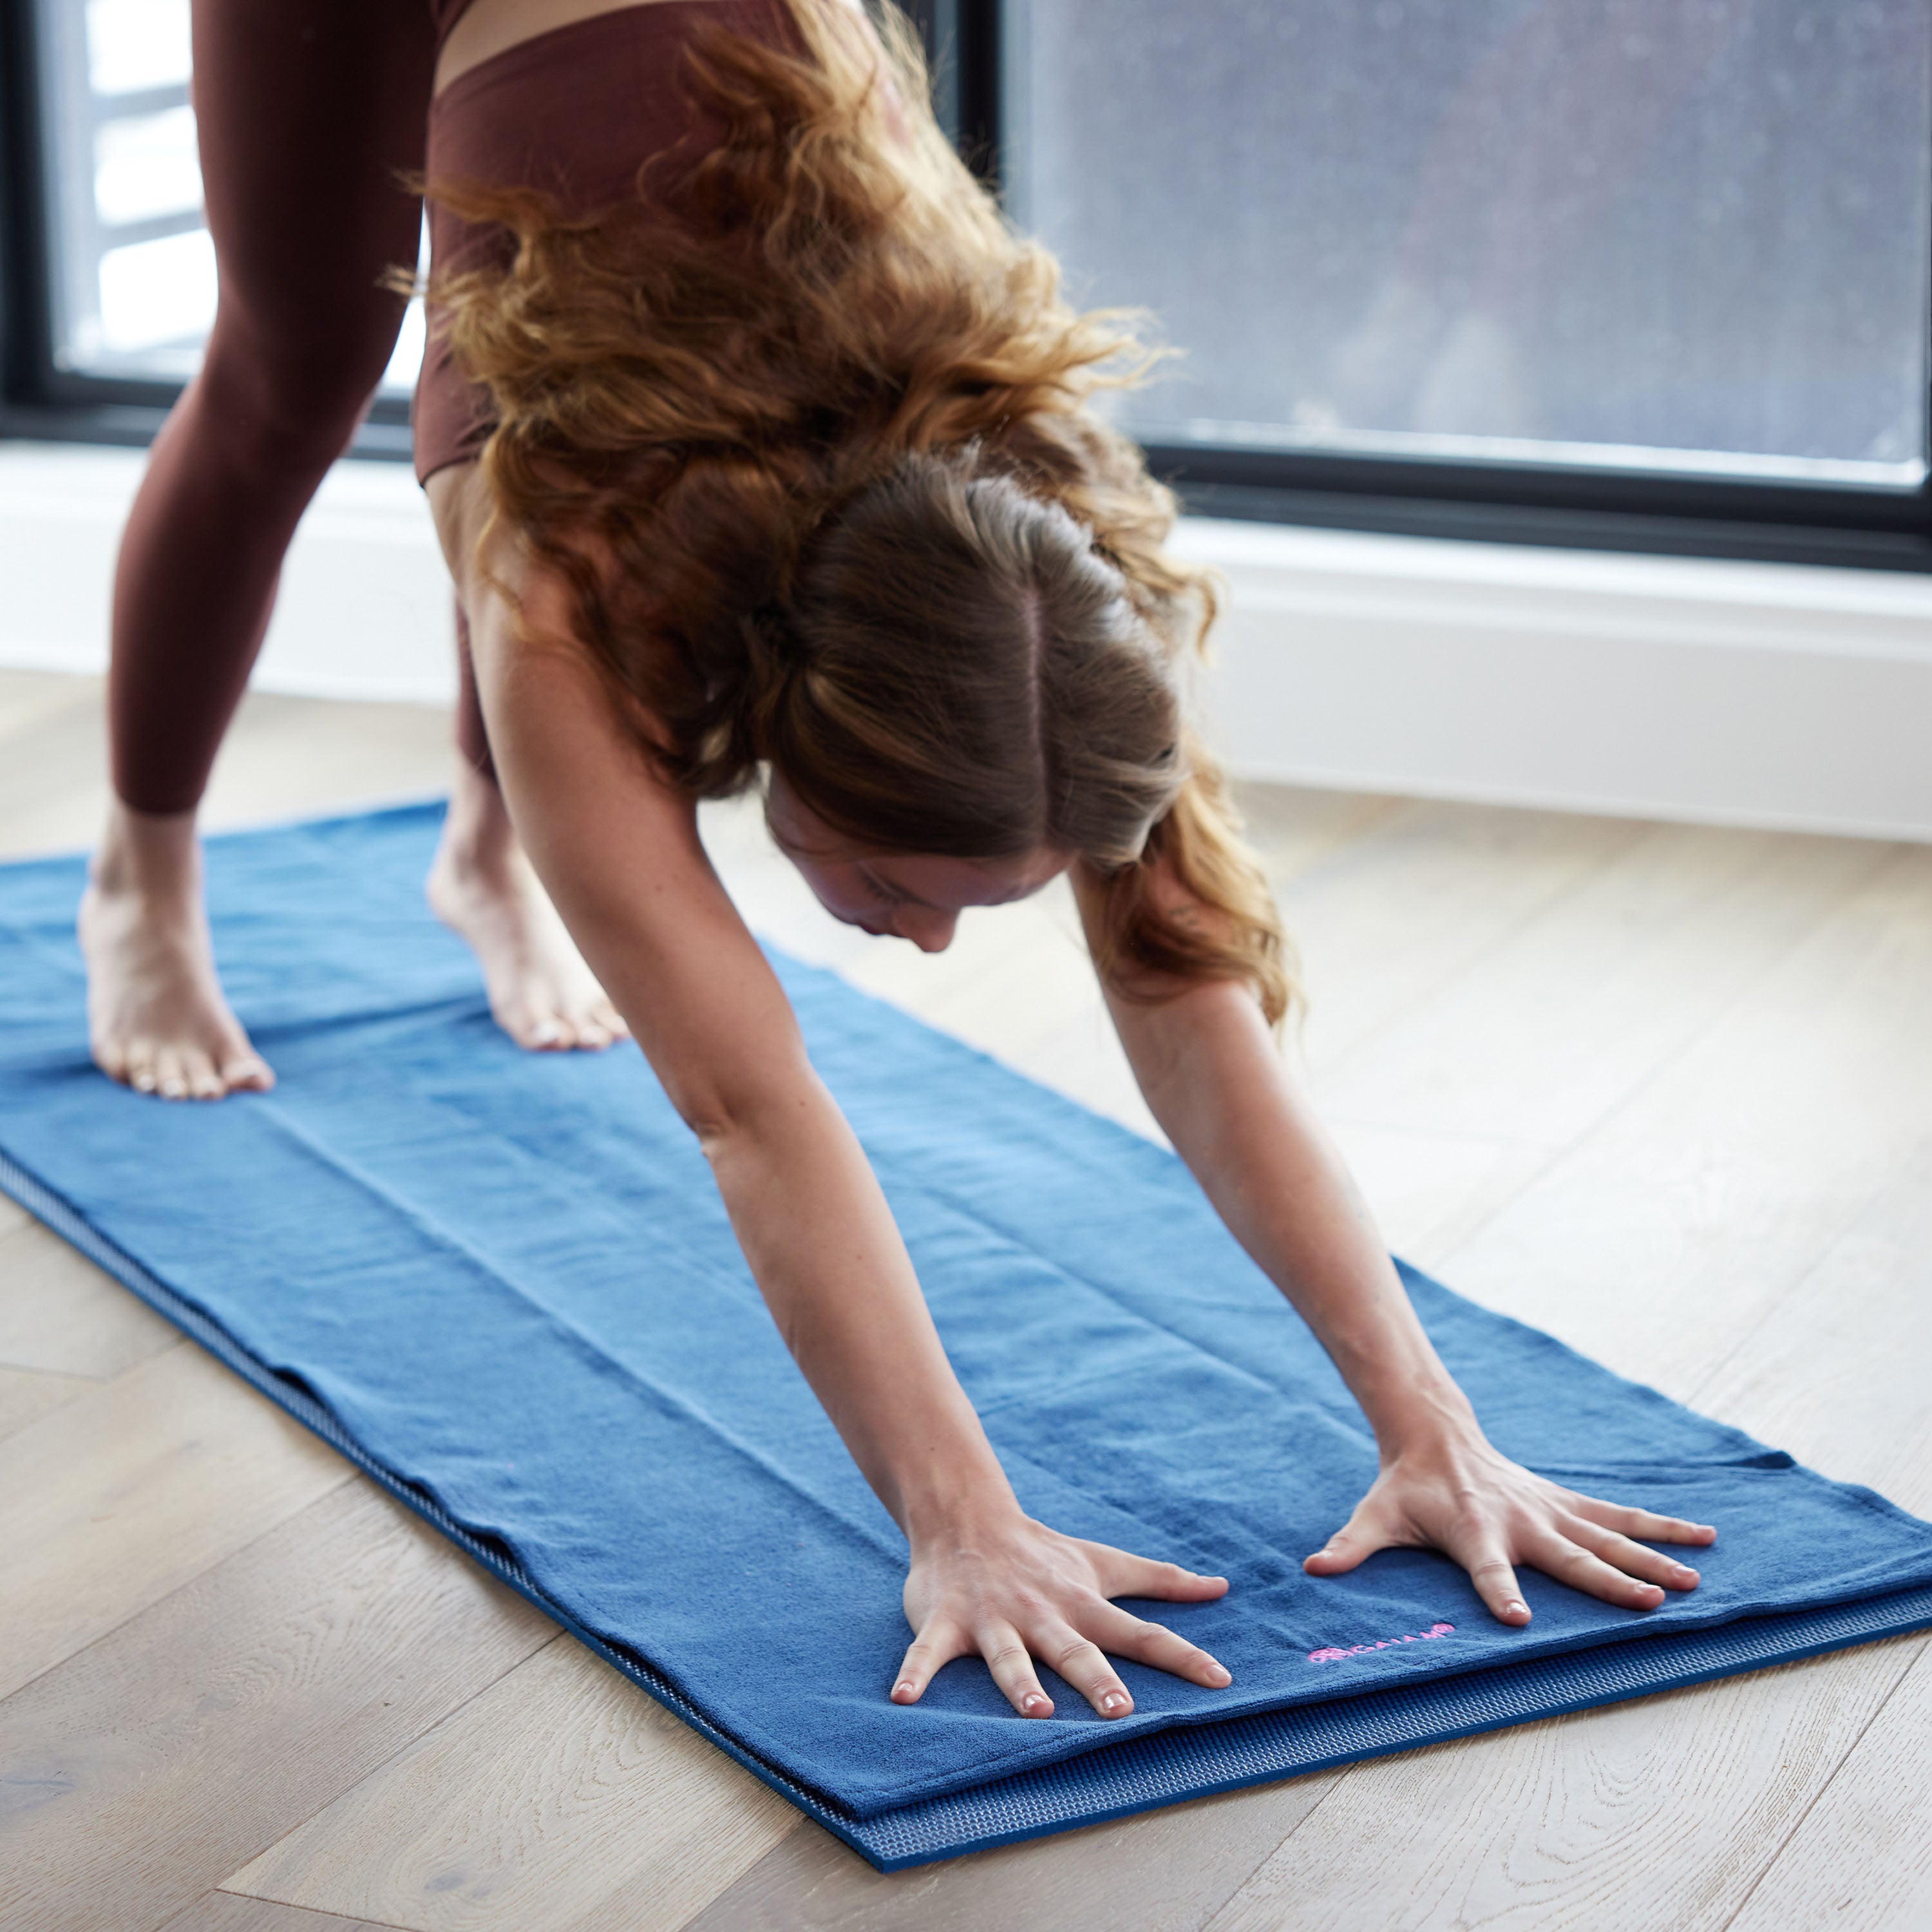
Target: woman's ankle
(156, 854)
(478, 840)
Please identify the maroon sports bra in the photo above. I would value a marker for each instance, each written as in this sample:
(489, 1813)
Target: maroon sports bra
(576, 112)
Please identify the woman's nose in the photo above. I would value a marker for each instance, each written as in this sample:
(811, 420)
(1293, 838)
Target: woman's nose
(931, 931)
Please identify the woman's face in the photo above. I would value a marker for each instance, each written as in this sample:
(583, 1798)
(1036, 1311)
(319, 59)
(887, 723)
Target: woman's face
(917, 897)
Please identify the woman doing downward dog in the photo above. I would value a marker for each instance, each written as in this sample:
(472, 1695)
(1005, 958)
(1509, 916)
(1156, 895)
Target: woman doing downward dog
(759, 450)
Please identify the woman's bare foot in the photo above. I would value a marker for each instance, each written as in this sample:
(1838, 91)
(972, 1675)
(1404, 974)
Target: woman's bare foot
(156, 1016)
(482, 887)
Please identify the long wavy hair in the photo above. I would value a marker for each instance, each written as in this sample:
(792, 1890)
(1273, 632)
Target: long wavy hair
(805, 431)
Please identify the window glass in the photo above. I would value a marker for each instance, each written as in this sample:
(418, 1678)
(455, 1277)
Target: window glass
(1689, 234)
(132, 268)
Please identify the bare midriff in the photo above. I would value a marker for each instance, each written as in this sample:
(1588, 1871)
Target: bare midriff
(485, 29)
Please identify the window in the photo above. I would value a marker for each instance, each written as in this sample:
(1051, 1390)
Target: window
(1640, 273)
(1679, 236)
(132, 277)
(1650, 273)
(123, 262)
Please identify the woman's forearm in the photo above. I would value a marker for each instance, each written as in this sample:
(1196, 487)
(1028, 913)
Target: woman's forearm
(1240, 1119)
(822, 1246)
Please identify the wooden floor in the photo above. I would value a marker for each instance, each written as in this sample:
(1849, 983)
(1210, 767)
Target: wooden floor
(1666, 1092)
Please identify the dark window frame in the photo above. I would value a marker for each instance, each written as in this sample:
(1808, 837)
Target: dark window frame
(1546, 504)
(38, 399)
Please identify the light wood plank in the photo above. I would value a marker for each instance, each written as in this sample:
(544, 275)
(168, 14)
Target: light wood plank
(118, 1497)
(1663, 1811)
(1430, 1192)
(53, 782)
(1863, 1855)
(1671, 1231)
(229, 1912)
(1566, 1017)
(1293, 828)
(147, 1769)
(27, 1394)
(1391, 916)
(1160, 1872)
(562, 1797)
(28, 698)
(287, 757)
(60, 1313)
(1840, 1373)
(284, 756)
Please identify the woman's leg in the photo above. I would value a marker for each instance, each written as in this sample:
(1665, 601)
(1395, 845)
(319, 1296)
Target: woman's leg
(307, 109)
(541, 992)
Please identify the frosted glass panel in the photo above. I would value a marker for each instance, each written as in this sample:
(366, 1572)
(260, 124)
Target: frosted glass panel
(1684, 234)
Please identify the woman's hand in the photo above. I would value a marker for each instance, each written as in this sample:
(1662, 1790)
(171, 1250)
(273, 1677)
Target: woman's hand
(1455, 1493)
(1011, 1590)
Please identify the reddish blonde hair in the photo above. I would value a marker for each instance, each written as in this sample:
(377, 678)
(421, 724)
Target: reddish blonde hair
(804, 431)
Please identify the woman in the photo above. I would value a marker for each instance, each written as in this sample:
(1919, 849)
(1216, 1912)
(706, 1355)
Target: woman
(755, 443)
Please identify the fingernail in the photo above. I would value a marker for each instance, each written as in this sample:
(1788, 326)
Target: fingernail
(1218, 1674)
(903, 1689)
(1037, 1701)
(1516, 1607)
(1115, 1700)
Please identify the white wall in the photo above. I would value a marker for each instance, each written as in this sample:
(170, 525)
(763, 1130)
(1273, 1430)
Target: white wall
(364, 610)
(1675, 687)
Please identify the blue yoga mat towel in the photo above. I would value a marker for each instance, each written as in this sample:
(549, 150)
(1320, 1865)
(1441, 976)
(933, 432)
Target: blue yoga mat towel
(504, 1284)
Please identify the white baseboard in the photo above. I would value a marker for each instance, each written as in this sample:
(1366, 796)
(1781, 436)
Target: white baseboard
(364, 610)
(1742, 693)
(1747, 694)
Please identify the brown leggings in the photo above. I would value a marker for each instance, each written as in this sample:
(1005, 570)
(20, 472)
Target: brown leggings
(308, 110)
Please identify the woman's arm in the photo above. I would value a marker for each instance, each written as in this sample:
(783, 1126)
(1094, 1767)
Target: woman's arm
(1240, 1118)
(620, 854)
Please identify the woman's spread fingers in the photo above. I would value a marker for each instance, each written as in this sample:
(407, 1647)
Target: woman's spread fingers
(1084, 1664)
(1123, 1634)
(1641, 1522)
(938, 1644)
(1351, 1544)
(1008, 1658)
(1555, 1556)
(1494, 1576)
(1122, 1574)
(1631, 1558)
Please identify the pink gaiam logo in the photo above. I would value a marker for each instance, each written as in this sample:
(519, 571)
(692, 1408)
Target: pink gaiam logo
(1334, 1656)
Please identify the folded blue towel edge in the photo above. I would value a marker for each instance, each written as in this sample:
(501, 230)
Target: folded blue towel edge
(1111, 1781)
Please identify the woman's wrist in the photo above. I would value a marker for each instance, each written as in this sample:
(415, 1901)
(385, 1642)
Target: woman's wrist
(958, 1501)
(1422, 1412)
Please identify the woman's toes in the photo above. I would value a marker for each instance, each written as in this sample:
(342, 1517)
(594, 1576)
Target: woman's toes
(140, 1064)
(247, 1070)
(170, 1077)
(203, 1082)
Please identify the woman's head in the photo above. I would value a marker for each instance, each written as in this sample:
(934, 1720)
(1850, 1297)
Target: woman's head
(957, 674)
(971, 661)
